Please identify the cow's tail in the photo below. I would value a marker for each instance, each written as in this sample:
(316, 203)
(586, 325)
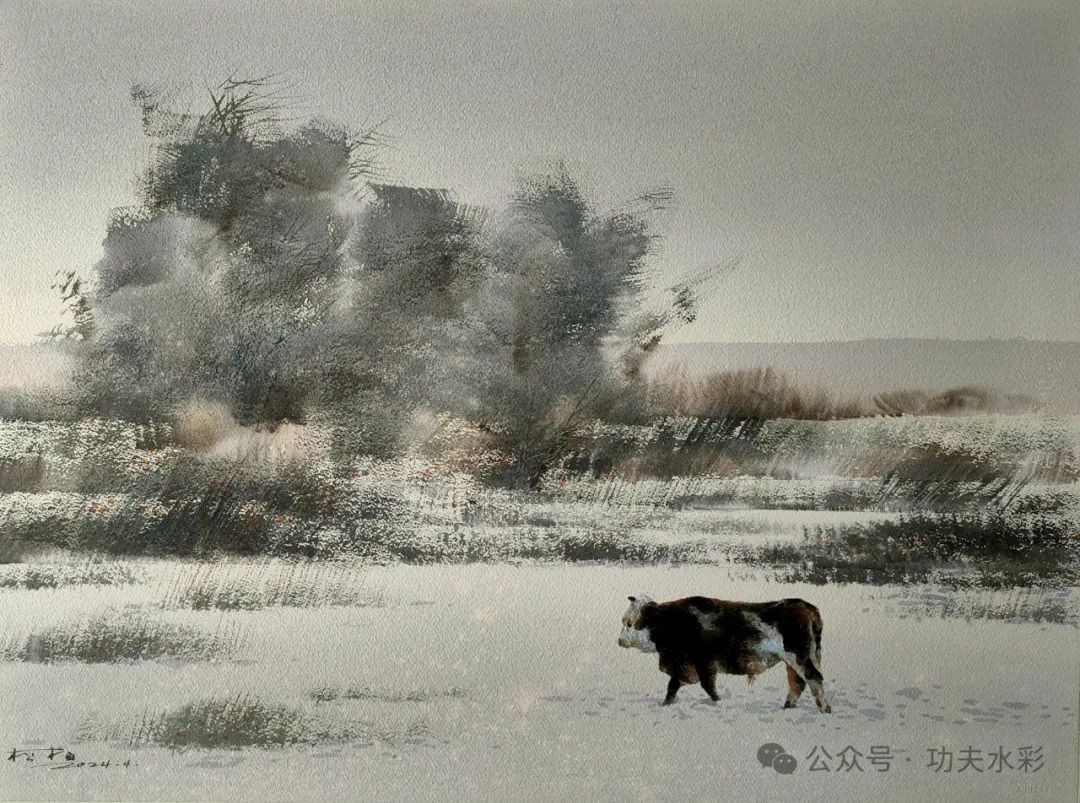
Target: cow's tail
(815, 629)
(813, 621)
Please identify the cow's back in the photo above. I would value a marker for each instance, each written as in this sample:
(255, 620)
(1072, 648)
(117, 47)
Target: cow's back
(695, 623)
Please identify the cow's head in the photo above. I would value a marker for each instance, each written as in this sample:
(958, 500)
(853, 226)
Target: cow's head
(635, 633)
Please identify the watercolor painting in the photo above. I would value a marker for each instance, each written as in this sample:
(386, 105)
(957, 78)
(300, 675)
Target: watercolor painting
(558, 401)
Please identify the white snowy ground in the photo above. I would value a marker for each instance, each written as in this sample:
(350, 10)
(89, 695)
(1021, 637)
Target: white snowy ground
(505, 682)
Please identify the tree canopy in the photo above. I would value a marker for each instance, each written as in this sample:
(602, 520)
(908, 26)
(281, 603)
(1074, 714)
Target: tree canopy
(266, 268)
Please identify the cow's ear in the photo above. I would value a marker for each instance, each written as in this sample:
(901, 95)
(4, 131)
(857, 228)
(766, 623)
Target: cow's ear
(632, 599)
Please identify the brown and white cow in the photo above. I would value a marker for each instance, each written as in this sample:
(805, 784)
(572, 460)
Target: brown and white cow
(698, 638)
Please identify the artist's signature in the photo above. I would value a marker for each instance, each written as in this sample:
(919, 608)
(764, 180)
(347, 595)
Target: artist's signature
(58, 758)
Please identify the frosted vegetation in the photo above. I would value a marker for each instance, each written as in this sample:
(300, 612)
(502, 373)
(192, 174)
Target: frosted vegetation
(986, 501)
(335, 454)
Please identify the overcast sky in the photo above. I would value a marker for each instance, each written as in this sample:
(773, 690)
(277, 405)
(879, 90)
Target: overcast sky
(879, 169)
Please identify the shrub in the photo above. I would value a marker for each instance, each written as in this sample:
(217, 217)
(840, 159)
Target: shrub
(109, 638)
(998, 548)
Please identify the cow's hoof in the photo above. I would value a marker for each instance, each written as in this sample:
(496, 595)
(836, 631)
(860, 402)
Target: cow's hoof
(827, 709)
(789, 704)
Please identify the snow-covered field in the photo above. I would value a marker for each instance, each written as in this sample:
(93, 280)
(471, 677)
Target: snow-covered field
(493, 673)
(496, 682)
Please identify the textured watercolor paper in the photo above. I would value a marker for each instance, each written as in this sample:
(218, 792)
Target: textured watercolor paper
(559, 401)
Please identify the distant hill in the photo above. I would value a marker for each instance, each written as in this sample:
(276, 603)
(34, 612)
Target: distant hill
(1047, 371)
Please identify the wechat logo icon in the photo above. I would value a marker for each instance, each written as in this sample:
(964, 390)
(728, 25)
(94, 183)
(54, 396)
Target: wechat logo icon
(775, 756)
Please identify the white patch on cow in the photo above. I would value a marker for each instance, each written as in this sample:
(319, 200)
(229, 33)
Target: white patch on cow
(633, 613)
(772, 643)
(635, 639)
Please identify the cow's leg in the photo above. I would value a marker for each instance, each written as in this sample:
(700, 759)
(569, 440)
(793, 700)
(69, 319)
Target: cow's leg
(707, 676)
(796, 684)
(802, 654)
(816, 681)
(672, 689)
